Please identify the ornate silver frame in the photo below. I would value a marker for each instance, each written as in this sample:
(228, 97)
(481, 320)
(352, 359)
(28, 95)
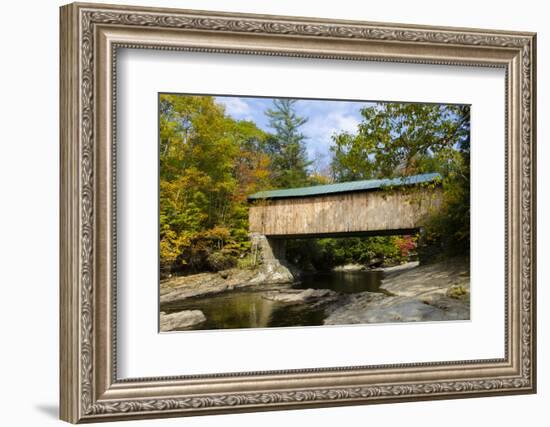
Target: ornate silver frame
(90, 36)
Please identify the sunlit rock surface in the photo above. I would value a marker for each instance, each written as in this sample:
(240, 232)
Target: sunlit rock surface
(433, 292)
(180, 320)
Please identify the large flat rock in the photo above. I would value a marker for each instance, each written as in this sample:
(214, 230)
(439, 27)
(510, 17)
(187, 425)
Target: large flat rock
(434, 292)
(180, 320)
(383, 309)
(202, 284)
(296, 296)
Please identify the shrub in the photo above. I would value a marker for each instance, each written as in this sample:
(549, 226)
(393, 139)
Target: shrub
(217, 261)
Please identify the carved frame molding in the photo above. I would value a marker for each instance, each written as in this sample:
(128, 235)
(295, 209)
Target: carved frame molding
(90, 37)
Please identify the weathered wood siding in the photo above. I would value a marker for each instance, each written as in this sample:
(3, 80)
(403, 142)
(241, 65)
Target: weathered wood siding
(344, 213)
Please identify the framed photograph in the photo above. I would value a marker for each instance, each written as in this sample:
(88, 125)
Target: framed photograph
(267, 212)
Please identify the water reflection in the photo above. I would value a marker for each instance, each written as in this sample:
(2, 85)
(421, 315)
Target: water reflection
(249, 309)
(346, 282)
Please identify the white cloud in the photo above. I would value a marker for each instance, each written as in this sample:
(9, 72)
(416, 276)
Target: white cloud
(235, 107)
(320, 128)
(344, 122)
(326, 118)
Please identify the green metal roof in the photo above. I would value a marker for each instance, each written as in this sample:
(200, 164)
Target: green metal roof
(346, 187)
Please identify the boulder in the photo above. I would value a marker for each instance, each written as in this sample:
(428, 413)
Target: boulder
(272, 272)
(398, 309)
(349, 267)
(180, 320)
(295, 296)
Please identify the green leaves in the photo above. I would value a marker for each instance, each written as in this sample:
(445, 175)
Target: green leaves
(397, 139)
(209, 162)
(286, 147)
(324, 254)
(401, 139)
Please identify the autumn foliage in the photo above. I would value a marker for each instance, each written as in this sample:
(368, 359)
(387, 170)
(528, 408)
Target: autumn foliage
(210, 162)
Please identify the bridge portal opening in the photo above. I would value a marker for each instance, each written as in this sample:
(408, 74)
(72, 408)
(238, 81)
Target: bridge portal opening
(349, 251)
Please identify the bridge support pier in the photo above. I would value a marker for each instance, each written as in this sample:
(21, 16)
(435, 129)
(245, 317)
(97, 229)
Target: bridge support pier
(272, 255)
(272, 249)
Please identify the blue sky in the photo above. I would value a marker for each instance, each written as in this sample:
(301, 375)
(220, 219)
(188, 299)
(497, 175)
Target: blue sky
(324, 119)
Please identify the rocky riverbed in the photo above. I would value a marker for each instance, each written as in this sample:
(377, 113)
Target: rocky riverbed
(411, 293)
(267, 278)
(202, 284)
(407, 293)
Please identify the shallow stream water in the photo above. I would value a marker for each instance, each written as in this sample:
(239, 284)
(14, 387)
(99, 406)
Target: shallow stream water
(246, 308)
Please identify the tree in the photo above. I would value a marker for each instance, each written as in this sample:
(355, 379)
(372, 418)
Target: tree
(402, 139)
(286, 147)
(396, 139)
(209, 163)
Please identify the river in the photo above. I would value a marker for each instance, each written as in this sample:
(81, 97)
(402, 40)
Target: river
(247, 308)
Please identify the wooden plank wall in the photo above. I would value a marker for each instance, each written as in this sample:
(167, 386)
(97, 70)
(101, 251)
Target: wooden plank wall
(342, 213)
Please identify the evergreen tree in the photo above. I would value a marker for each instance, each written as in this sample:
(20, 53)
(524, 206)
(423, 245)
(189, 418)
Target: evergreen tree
(286, 147)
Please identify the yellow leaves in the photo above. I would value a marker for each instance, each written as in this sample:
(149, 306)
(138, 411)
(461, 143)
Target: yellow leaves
(209, 163)
(172, 244)
(217, 233)
(318, 179)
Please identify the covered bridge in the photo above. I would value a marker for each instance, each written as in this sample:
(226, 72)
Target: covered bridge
(371, 207)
